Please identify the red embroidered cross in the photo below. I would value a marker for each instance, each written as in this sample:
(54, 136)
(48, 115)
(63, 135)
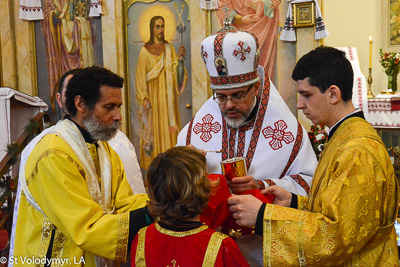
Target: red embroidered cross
(207, 127)
(278, 135)
(204, 54)
(241, 52)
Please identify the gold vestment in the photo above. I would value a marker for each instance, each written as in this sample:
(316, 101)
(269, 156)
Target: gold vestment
(348, 219)
(81, 229)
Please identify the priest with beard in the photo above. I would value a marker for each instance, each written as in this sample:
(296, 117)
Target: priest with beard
(77, 205)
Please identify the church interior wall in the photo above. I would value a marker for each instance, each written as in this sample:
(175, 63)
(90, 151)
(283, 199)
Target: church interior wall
(349, 23)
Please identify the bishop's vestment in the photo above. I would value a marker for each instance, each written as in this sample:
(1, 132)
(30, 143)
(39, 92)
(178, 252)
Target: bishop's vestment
(276, 147)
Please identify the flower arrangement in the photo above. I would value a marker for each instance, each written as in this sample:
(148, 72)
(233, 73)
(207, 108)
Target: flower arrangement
(318, 135)
(390, 62)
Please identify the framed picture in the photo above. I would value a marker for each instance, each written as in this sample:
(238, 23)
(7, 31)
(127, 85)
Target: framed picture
(303, 14)
(390, 25)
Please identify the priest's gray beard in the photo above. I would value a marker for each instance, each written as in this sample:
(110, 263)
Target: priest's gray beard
(98, 130)
(236, 123)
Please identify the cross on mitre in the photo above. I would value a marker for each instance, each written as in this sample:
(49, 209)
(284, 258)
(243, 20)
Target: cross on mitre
(226, 20)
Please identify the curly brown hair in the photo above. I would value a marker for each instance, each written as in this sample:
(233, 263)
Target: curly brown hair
(178, 186)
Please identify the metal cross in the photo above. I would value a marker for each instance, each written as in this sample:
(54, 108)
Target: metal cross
(226, 20)
(226, 9)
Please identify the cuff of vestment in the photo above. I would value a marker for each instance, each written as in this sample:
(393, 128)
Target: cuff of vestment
(294, 201)
(260, 218)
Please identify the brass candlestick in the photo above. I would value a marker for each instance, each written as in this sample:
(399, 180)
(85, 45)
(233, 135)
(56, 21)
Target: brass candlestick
(369, 80)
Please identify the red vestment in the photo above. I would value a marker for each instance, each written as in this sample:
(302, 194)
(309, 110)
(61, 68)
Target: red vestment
(164, 247)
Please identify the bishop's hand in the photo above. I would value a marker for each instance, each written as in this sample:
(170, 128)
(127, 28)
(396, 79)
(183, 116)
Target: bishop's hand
(241, 184)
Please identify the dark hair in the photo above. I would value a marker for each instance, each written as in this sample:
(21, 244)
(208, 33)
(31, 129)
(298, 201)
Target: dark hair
(64, 76)
(152, 23)
(178, 186)
(326, 66)
(87, 83)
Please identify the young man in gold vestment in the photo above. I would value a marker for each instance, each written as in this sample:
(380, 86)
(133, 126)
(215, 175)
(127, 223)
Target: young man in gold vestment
(348, 218)
(77, 207)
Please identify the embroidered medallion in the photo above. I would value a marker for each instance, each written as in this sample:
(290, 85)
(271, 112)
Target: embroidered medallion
(278, 135)
(241, 51)
(207, 127)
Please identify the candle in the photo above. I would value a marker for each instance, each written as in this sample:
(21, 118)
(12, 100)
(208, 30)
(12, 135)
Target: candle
(370, 51)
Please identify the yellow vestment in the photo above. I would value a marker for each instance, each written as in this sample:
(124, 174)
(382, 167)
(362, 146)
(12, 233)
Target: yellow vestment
(156, 79)
(348, 219)
(81, 229)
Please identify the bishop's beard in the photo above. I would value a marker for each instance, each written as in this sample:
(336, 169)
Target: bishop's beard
(236, 123)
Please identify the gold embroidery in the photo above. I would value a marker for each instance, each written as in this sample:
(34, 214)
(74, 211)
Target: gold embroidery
(354, 261)
(47, 228)
(301, 239)
(95, 157)
(364, 230)
(123, 235)
(140, 260)
(213, 248)
(173, 264)
(58, 248)
(118, 167)
(328, 242)
(267, 229)
(180, 234)
(30, 178)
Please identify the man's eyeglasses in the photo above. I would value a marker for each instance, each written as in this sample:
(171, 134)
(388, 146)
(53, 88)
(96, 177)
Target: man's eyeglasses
(235, 98)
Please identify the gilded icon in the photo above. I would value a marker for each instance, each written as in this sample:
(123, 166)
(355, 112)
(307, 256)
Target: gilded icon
(303, 14)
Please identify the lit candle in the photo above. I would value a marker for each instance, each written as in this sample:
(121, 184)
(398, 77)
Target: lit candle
(370, 51)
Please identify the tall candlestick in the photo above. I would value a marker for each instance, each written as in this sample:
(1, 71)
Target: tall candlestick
(369, 80)
(370, 51)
